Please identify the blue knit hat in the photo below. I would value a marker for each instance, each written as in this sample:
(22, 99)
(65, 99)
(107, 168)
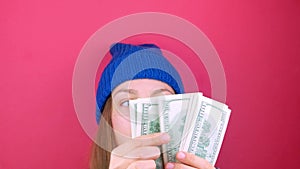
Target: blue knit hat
(131, 62)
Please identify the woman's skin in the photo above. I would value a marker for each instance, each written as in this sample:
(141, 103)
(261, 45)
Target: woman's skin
(141, 152)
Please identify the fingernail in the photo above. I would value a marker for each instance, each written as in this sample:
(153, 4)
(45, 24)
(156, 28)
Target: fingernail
(165, 137)
(180, 155)
(169, 166)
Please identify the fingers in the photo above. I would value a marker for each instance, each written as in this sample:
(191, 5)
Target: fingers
(142, 164)
(155, 139)
(178, 166)
(139, 152)
(133, 158)
(147, 152)
(191, 160)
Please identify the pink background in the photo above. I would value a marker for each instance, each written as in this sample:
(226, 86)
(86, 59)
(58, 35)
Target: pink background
(258, 43)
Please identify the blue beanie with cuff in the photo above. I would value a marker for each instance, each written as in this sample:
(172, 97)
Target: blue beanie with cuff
(131, 62)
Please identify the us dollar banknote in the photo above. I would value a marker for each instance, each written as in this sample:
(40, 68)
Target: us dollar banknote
(195, 123)
(144, 116)
(209, 124)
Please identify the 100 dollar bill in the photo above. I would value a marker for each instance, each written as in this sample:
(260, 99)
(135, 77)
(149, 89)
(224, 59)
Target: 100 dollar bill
(144, 116)
(173, 119)
(209, 126)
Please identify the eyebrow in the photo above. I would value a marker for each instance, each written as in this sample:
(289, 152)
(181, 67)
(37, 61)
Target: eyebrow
(161, 91)
(130, 91)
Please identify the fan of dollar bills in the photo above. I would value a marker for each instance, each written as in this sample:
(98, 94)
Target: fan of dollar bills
(195, 123)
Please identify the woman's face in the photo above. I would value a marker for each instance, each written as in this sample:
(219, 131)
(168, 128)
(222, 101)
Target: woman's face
(130, 90)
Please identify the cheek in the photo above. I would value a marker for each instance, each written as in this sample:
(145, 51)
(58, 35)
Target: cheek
(121, 124)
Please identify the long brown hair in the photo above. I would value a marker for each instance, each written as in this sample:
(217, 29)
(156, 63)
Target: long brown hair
(105, 141)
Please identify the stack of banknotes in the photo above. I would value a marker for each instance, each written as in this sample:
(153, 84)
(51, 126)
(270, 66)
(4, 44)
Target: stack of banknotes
(195, 123)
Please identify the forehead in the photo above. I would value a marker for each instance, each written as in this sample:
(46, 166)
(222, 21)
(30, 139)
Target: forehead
(143, 85)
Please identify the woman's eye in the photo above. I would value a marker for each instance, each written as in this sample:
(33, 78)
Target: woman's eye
(125, 103)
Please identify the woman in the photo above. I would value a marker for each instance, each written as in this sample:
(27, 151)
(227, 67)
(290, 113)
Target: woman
(135, 71)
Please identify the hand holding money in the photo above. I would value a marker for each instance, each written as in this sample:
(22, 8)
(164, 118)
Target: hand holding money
(195, 123)
(138, 152)
(188, 160)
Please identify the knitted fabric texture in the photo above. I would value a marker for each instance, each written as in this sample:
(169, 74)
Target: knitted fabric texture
(131, 62)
